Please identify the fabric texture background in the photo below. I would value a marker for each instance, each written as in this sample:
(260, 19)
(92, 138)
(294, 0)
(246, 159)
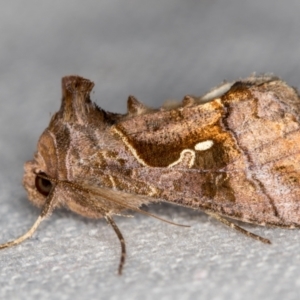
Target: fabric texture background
(154, 50)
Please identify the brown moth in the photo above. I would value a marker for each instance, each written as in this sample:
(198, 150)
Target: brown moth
(235, 152)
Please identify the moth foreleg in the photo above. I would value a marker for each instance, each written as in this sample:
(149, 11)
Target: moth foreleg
(46, 211)
(111, 222)
(25, 236)
(238, 228)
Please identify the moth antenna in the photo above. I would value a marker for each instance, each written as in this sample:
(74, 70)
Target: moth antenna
(158, 218)
(46, 211)
(238, 228)
(111, 222)
(122, 203)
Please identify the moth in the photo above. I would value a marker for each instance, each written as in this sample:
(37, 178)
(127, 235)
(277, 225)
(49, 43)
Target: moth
(233, 153)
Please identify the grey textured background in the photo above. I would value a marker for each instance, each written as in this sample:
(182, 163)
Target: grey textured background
(155, 50)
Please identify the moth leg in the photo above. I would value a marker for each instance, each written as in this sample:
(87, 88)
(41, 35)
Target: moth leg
(46, 211)
(111, 222)
(238, 228)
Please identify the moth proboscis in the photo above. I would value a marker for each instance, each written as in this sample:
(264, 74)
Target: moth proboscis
(233, 153)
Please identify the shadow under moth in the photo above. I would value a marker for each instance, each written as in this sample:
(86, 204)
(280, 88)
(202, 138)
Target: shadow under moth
(233, 153)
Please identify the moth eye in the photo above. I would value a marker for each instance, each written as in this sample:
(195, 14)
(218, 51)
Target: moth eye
(43, 185)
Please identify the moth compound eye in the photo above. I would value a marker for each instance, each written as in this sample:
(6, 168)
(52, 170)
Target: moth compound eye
(43, 185)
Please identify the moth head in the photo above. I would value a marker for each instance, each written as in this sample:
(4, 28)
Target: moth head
(73, 127)
(45, 164)
(75, 132)
(49, 160)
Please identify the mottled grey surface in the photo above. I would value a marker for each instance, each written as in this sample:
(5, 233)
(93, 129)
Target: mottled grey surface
(155, 50)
